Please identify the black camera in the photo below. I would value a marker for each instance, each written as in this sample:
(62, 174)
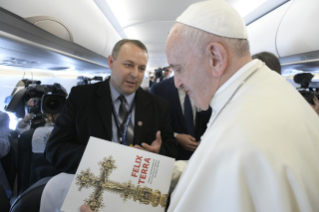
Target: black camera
(307, 88)
(53, 100)
(86, 80)
(16, 101)
(158, 73)
(48, 99)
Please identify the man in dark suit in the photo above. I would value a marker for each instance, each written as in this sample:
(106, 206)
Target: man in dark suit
(188, 139)
(151, 81)
(95, 110)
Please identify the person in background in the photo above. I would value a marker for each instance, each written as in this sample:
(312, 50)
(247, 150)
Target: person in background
(24, 124)
(151, 81)
(167, 73)
(4, 149)
(270, 60)
(188, 123)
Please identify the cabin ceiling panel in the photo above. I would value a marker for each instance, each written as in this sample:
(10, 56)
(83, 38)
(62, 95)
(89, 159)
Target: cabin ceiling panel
(85, 21)
(131, 12)
(153, 31)
(98, 29)
(151, 21)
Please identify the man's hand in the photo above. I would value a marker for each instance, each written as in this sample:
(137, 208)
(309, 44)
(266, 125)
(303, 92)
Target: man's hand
(29, 116)
(316, 106)
(155, 146)
(187, 142)
(85, 208)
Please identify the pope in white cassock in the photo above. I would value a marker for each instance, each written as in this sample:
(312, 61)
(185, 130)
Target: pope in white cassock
(260, 151)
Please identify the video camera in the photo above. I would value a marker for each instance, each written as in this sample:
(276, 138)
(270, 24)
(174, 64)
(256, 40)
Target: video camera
(86, 80)
(307, 88)
(48, 99)
(158, 73)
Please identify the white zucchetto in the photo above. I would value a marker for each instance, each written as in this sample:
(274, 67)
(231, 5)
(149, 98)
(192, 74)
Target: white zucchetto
(216, 17)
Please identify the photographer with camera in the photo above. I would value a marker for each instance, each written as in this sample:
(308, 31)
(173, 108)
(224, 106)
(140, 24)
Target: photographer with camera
(87, 81)
(24, 123)
(41, 112)
(309, 92)
(159, 76)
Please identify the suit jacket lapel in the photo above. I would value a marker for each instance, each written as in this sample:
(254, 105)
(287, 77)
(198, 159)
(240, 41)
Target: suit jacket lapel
(141, 114)
(104, 105)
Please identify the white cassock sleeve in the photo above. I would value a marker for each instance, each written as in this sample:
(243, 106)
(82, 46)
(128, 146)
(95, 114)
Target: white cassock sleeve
(179, 167)
(55, 192)
(241, 180)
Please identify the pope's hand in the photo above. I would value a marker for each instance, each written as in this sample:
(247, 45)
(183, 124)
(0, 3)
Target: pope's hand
(154, 147)
(85, 208)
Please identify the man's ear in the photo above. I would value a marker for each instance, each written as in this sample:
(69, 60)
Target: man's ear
(110, 61)
(218, 59)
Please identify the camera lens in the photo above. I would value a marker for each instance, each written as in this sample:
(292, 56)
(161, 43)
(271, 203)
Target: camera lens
(53, 104)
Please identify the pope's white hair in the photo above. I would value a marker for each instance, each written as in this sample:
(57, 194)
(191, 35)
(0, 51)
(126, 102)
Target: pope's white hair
(198, 40)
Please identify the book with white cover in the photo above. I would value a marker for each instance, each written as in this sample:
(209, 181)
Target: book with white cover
(118, 178)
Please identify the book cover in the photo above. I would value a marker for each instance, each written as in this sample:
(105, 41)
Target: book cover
(118, 178)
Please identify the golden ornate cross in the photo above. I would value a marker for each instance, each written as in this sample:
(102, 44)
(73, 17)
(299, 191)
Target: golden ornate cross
(126, 191)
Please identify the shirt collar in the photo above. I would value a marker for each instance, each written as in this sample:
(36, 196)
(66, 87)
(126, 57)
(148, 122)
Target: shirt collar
(228, 88)
(115, 95)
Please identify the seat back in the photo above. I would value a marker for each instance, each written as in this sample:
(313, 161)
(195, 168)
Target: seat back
(9, 162)
(4, 201)
(31, 166)
(30, 199)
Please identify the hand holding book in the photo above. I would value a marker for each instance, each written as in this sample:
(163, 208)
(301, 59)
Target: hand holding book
(85, 208)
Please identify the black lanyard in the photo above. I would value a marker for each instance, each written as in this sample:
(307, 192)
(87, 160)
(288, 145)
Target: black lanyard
(122, 128)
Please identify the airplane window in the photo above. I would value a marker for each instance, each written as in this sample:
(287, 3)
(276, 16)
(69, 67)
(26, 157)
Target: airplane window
(13, 121)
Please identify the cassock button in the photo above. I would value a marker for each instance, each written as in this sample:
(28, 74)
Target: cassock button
(140, 123)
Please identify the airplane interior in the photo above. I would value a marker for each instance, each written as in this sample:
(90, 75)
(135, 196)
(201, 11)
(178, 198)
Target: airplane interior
(68, 42)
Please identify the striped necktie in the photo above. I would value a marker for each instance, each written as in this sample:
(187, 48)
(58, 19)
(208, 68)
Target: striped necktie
(122, 113)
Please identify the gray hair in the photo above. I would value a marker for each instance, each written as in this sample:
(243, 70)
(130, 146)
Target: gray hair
(199, 39)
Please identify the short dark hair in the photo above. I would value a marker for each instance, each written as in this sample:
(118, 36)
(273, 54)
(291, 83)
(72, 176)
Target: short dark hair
(270, 59)
(119, 44)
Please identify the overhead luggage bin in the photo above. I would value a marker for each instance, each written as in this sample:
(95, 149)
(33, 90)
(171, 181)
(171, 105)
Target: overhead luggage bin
(23, 44)
(299, 30)
(75, 32)
(82, 18)
(262, 32)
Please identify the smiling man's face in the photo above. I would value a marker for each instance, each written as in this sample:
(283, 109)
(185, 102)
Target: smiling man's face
(128, 68)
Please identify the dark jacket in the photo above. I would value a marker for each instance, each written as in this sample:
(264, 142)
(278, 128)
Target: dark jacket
(168, 91)
(88, 112)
